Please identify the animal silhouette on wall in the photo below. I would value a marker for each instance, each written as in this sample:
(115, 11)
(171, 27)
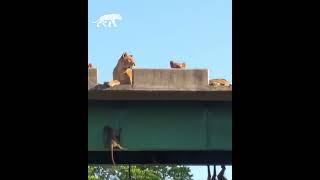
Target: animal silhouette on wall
(108, 18)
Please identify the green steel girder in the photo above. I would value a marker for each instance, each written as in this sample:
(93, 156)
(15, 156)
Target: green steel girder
(162, 125)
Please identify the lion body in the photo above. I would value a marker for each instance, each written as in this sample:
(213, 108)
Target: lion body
(176, 65)
(122, 73)
(219, 82)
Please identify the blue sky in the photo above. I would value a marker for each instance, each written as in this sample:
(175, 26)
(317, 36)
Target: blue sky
(198, 33)
(201, 172)
(155, 32)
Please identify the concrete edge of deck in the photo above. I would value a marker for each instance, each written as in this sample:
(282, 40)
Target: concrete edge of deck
(162, 157)
(129, 93)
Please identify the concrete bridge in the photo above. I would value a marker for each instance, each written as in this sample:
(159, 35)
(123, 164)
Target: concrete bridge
(166, 117)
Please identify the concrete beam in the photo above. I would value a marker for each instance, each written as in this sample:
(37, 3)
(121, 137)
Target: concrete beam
(175, 79)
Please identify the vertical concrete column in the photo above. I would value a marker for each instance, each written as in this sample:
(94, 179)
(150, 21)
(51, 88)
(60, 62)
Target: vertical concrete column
(92, 77)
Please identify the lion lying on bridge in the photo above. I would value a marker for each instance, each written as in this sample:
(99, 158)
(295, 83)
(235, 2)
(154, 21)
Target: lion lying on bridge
(176, 65)
(219, 83)
(122, 73)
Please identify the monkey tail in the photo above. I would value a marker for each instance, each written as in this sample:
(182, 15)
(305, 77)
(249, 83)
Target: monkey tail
(112, 155)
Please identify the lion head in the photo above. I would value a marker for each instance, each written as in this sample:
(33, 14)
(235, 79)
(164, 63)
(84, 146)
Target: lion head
(127, 61)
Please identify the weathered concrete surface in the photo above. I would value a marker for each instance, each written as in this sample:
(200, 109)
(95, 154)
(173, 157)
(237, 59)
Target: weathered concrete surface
(163, 84)
(109, 94)
(175, 79)
(92, 78)
(93, 75)
(91, 85)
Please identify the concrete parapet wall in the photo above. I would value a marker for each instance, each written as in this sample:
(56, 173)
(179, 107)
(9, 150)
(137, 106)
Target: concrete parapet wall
(170, 78)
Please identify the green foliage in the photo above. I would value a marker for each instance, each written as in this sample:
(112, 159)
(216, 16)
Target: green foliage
(139, 172)
(91, 174)
(100, 173)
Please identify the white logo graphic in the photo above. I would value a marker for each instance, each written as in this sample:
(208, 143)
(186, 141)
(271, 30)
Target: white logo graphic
(110, 19)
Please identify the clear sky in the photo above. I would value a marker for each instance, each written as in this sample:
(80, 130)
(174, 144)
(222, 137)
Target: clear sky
(197, 32)
(201, 172)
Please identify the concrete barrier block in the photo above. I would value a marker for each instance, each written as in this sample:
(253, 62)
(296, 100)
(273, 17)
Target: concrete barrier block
(170, 78)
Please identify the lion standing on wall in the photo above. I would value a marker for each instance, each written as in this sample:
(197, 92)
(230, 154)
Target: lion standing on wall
(122, 73)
